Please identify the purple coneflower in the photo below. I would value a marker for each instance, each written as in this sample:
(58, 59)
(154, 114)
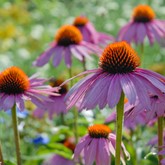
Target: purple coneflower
(16, 87)
(89, 32)
(117, 72)
(140, 119)
(57, 105)
(143, 24)
(157, 109)
(154, 141)
(68, 42)
(98, 146)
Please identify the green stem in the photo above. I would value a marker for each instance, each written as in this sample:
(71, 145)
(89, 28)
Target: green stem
(84, 64)
(119, 125)
(62, 118)
(16, 135)
(160, 137)
(1, 156)
(76, 125)
(75, 112)
(142, 54)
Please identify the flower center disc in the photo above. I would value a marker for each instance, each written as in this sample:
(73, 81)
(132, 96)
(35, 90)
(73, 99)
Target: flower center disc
(13, 81)
(99, 131)
(143, 13)
(80, 21)
(119, 57)
(55, 83)
(68, 35)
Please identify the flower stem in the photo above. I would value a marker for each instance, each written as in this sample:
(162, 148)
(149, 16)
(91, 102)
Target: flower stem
(142, 54)
(119, 125)
(160, 137)
(62, 118)
(84, 64)
(16, 135)
(75, 112)
(1, 156)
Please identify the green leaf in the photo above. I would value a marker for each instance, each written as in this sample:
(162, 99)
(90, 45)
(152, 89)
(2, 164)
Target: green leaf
(56, 148)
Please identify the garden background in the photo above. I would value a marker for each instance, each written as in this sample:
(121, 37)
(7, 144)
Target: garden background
(26, 29)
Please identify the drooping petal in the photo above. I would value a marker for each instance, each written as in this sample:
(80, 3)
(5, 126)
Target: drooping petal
(114, 91)
(156, 82)
(80, 146)
(57, 57)
(122, 31)
(44, 57)
(142, 93)
(103, 154)
(90, 152)
(130, 33)
(128, 88)
(20, 102)
(149, 33)
(9, 102)
(141, 32)
(75, 52)
(92, 96)
(80, 91)
(67, 57)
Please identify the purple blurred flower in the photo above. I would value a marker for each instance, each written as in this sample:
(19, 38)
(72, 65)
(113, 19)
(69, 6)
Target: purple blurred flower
(128, 123)
(118, 72)
(58, 160)
(57, 105)
(162, 153)
(16, 87)
(68, 42)
(98, 146)
(154, 141)
(143, 24)
(89, 32)
(157, 109)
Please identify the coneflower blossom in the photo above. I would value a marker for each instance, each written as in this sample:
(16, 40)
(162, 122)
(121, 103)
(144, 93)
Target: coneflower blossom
(57, 105)
(157, 109)
(68, 42)
(98, 146)
(128, 123)
(16, 87)
(143, 24)
(154, 141)
(89, 32)
(59, 160)
(117, 72)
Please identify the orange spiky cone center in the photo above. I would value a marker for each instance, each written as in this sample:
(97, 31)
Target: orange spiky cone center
(80, 21)
(119, 57)
(143, 13)
(13, 81)
(68, 35)
(99, 131)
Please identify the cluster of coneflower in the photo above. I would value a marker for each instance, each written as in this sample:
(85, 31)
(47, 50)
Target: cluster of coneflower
(117, 77)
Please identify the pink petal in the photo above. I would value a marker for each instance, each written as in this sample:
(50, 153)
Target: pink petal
(57, 57)
(114, 91)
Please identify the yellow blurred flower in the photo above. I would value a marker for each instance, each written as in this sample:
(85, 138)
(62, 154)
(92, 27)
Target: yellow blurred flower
(7, 31)
(16, 13)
